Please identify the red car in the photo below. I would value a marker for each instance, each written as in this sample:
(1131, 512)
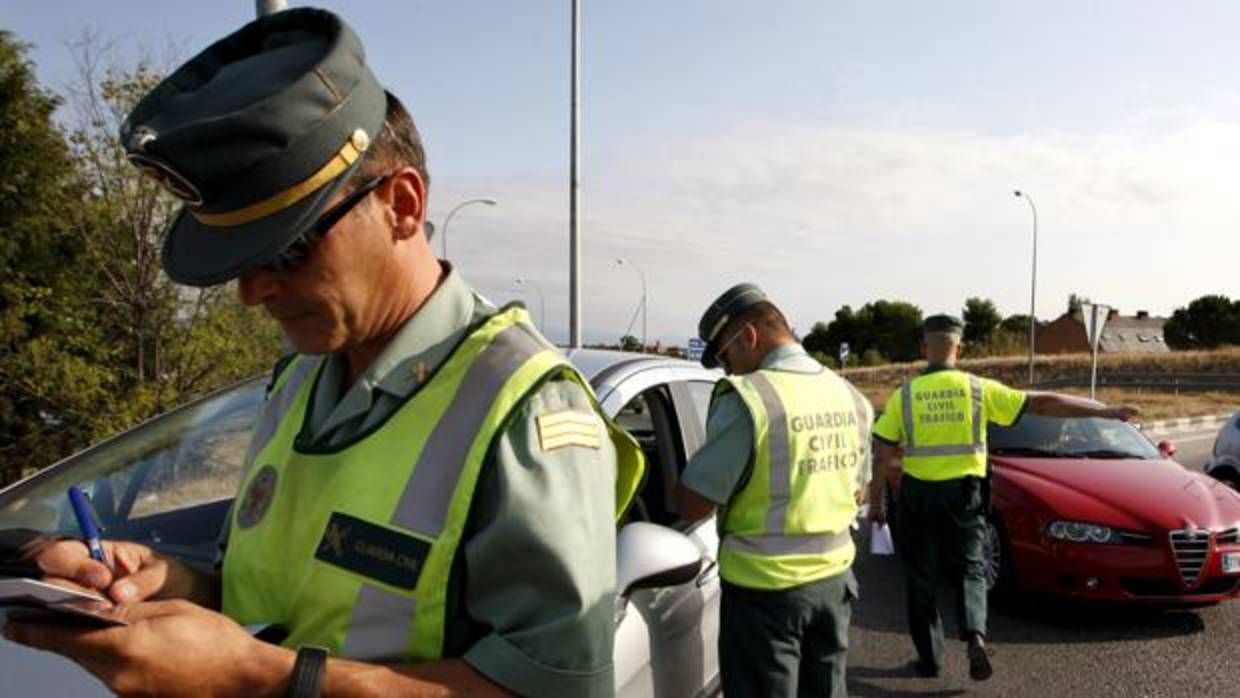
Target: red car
(1089, 509)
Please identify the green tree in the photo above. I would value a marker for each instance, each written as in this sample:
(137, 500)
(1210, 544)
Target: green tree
(169, 342)
(39, 250)
(1208, 322)
(818, 339)
(94, 336)
(1015, 324)
(892, 329)
(630, 343)
(981, 319)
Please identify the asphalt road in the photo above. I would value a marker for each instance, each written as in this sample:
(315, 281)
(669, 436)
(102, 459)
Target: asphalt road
(1049, 648)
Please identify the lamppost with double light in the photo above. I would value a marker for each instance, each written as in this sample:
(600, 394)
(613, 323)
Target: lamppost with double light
(448, 219)
(621, 261)
(542, 300)
(1033, 284)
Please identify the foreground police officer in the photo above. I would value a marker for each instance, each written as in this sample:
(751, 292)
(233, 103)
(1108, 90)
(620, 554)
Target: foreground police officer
(786, 461)
(939, 419)
(430, 489)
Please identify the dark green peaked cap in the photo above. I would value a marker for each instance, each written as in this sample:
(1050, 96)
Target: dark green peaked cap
(733, 302)
(255, 134)
(944, 323)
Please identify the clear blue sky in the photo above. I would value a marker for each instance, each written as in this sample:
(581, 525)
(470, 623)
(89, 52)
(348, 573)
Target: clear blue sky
(834, 152)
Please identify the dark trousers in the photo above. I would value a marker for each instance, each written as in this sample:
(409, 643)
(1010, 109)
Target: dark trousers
(940, 528)
(788, 643)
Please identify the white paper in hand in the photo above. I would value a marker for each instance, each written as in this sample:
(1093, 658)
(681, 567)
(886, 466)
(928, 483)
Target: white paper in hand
(880, 540)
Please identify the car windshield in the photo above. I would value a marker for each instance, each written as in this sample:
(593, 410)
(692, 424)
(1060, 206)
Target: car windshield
(1070, 438)
(189, 457)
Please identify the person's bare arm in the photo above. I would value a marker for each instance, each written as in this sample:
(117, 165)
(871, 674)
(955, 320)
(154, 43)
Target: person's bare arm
(1060, 405)
(692, 506)
(884, 456)
(443, 678)
(182, 649)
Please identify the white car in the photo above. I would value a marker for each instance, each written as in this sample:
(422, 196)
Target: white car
(1224, 464)
(168, 483)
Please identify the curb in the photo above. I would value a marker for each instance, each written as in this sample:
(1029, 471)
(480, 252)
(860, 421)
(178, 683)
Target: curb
(1183, 423)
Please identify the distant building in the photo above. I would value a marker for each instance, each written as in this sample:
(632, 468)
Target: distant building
(1120, 335)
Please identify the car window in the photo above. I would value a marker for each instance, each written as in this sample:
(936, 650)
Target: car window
(1071, 437)
(650, 419)
(701, 392)
(189, 457)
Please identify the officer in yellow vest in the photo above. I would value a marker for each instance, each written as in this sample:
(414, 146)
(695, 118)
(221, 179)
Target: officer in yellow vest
(431, 490)
(785, 463)
(939, 420)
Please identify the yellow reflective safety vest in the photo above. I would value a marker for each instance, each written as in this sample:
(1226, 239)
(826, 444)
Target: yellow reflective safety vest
(351, 547)
(944, 426)
(789, 524)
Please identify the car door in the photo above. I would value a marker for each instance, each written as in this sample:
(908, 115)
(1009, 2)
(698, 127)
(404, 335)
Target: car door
(666, 638)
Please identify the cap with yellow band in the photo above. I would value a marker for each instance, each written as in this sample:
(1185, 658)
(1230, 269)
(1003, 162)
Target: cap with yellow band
(346, 156)
(256, 135)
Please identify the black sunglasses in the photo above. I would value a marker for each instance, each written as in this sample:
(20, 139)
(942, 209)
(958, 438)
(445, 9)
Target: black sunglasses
(300, 248)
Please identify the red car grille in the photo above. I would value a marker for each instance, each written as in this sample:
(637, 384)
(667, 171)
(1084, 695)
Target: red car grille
(1191, 548)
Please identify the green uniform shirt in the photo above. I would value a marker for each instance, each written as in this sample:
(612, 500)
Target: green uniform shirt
(529, 603)
(721, 466)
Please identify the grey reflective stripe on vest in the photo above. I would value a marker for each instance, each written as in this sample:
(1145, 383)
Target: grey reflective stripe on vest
(773, 544)
(863, 418)
(777, 444)
(279, 402)
(906, 412)
(978, 446)
(382, 621)
(275, 409)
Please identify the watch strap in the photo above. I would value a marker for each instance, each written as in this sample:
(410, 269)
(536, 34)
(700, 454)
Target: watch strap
(307, 678)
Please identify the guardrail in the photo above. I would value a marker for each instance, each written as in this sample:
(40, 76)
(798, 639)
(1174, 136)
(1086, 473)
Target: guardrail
(1171, 382)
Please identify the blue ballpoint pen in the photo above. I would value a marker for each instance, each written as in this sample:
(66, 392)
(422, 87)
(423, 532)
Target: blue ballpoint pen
(85, 514)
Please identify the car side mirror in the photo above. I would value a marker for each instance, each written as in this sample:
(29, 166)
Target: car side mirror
(1167, 448)
(649, 556)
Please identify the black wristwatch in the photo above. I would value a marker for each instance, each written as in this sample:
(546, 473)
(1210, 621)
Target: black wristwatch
(308, 670)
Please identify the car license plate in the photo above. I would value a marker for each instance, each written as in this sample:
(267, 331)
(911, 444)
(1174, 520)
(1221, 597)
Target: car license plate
(1231, 563)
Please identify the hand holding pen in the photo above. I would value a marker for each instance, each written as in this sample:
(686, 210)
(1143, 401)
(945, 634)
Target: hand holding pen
(89, 526)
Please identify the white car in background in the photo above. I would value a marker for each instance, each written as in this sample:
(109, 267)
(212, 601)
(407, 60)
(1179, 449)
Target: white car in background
(168, 483)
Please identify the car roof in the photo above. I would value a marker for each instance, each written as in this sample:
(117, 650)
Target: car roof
(598, 365)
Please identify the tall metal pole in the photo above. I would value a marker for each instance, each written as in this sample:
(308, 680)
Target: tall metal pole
(269, 7)
(574, 242)
(1033, 284)
(444, 235)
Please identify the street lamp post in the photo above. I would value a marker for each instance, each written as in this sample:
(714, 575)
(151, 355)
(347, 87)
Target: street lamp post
(621, 262)
(1033, 284)
(269, 7)
(542, 301)
(574, 236)
(448, 219)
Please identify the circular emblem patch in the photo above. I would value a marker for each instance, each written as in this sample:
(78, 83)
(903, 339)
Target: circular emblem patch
(258, 496)
(168, 178)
